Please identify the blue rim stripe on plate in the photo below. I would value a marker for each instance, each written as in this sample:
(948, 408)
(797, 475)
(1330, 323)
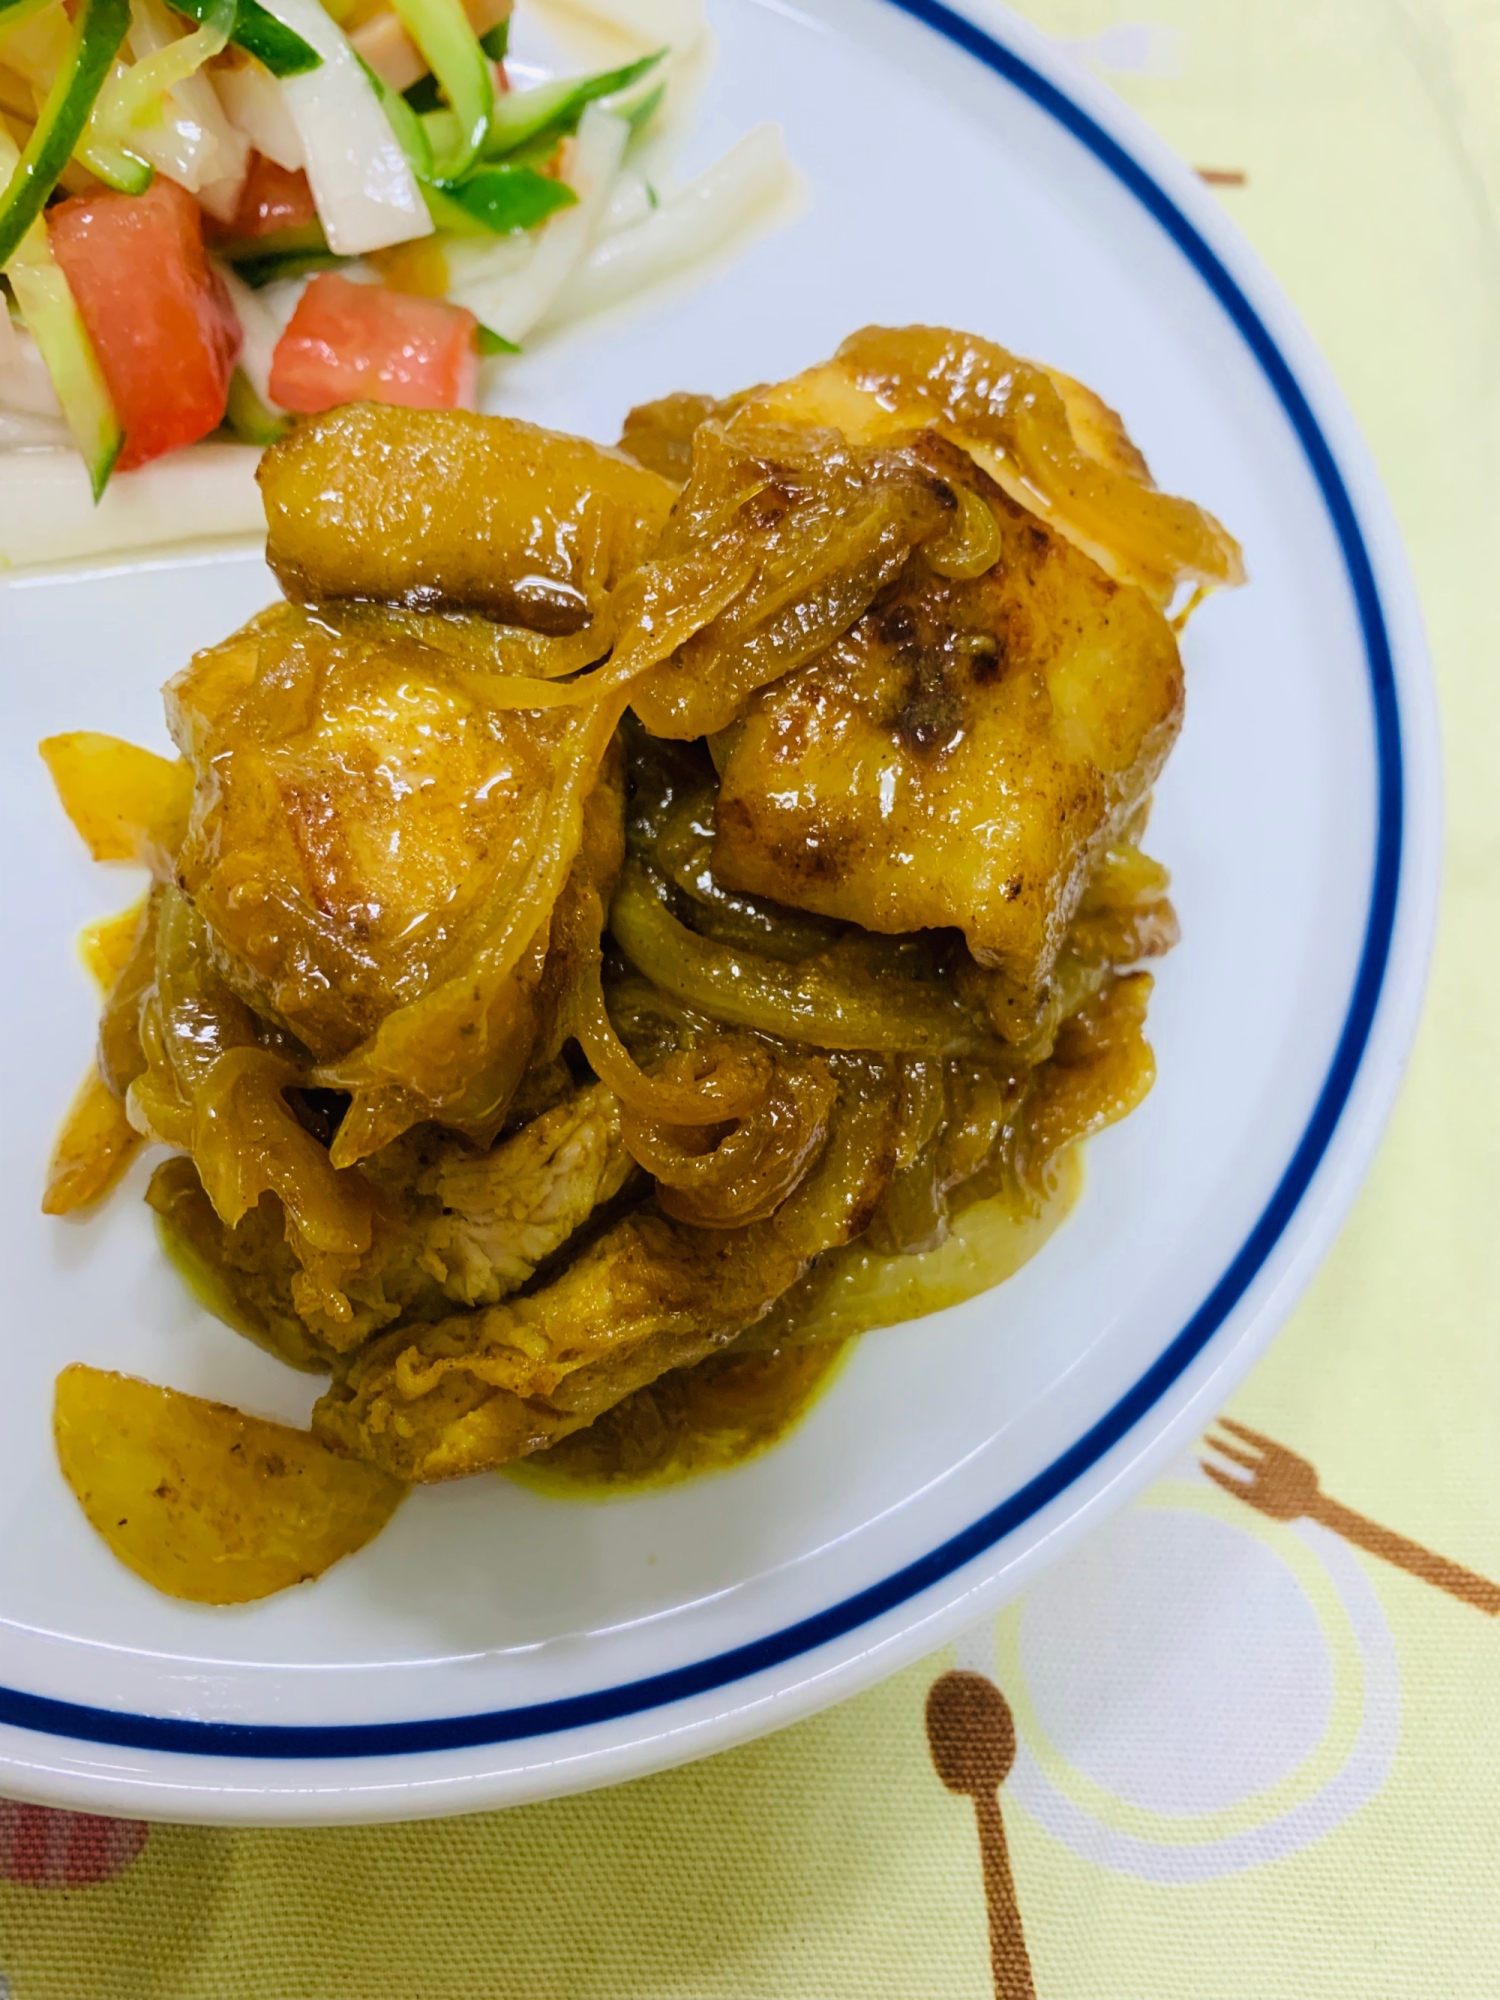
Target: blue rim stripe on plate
(258, 1740)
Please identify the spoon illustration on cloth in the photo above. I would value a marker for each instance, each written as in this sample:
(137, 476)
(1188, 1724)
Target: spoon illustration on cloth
(973, 1742)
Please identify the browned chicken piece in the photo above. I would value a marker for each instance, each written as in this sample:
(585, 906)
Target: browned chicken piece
(813, 526)
(893, 637)
(503, 1213)
(438, 507)
(456, 1227)
(962, 756)
(363, 809)
(472, 1391)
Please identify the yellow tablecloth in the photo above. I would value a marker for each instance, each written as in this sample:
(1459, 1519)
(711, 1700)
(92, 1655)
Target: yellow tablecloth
(1251, 1762)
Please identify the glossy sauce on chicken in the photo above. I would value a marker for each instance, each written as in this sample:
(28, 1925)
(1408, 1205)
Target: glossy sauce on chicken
(634, 920)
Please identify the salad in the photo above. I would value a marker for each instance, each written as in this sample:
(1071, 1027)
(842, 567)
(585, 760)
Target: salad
(220, 216)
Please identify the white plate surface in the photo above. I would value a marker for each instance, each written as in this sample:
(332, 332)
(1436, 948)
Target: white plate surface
(494, 1645)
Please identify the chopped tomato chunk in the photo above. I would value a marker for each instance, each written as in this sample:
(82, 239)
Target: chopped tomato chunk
(349, 343)
(271, 200)
(156, 311)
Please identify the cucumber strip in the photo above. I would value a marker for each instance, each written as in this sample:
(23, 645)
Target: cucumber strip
(639, 114)
(450, 216)
(117, 169)
(57, 327)
(281, 49)
(411, 134)
(441, 131)
(98, 31)
(506, 199)
(488, 341)
(134, 98)
(424, 95)
(54, 322)
(450, 48)
(258, 272)
(299, 240)
(248, 417)
(555, 108)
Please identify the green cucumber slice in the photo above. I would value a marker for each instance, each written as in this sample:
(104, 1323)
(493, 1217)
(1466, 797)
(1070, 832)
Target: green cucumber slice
(450, 48)
(555, 108)
(411, 133)
(248, 417)
(98, 30)
(52, 317)
(119, 170)
(506, 198)
(56, 325)
(260, 34)
(270, 267)
(300, 240)
(638, 115)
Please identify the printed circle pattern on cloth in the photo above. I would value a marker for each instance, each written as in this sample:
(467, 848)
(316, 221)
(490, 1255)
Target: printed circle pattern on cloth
(1195, 1693)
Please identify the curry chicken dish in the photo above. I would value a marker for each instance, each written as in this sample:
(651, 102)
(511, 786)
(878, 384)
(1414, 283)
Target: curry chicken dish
(628, 920)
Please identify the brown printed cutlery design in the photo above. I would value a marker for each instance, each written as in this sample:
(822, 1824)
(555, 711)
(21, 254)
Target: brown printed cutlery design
(1285, 1487)
(973, 1743)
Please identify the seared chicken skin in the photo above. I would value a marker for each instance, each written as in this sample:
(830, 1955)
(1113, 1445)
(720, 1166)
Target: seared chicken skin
(962, 755)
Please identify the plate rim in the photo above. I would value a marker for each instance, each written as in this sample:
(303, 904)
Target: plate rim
(1336, 1145)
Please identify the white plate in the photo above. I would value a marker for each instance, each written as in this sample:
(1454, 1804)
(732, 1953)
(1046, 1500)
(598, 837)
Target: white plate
(494, 1645)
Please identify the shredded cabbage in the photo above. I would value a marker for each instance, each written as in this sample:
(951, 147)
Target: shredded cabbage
(192, 142)
(135, 99)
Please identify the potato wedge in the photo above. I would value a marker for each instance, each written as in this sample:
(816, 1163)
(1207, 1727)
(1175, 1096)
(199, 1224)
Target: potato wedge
(128, 803)
(93, 1149)
(107, 945)
(203, 1501)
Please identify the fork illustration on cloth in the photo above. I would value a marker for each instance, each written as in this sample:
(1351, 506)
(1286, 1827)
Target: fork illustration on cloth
(1286, 1488)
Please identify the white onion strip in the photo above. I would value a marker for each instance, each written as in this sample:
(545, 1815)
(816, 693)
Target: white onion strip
(261, 329)
(47, 511)
(366, 194)
(513, 302)
(727, 199)
(254, 103)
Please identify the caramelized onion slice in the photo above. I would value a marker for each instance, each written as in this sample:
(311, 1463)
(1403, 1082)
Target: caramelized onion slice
(819, 1001)
(1055, 450)
(718, 1081)
(722, 1179)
